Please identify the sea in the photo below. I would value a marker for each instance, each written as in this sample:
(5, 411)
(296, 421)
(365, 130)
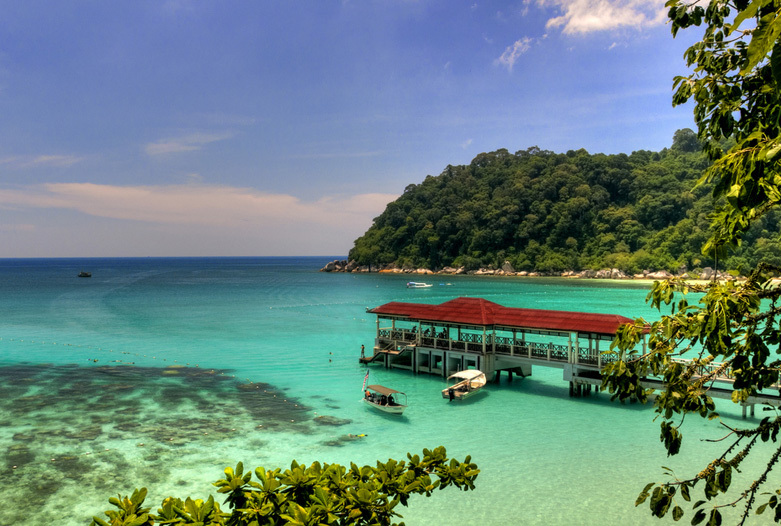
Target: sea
(162, 372)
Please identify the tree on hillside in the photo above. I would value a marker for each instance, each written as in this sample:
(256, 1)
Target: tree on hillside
(686, 140)
(734, 327)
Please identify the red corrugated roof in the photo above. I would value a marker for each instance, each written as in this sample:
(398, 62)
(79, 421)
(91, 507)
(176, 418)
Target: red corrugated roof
(478, 311)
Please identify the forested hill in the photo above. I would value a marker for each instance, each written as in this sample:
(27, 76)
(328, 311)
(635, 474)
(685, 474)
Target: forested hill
(551, 212)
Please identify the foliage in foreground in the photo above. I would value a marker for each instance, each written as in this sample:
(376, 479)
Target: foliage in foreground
(315, 495)
(731, 329)
(734, 327)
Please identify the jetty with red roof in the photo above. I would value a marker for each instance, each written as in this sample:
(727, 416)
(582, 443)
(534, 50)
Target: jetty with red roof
(474, 333)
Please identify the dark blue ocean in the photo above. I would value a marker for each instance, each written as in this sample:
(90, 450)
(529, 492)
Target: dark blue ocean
(161, 372)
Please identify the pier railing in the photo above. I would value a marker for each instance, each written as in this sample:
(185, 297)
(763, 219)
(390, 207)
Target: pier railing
(502, 345)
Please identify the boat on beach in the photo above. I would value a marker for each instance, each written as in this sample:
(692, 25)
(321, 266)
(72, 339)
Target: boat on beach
(467, 383)
(418, 285)
(385, 399)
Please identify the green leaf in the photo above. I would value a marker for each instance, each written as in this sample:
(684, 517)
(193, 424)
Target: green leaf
(748, 12)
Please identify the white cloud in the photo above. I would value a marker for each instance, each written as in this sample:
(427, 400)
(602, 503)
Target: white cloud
(84, 219)
(187, 143)
(40, 160)
(198, 205)
(513, 53)
(54, 160)
(466, 144)
(587, 16)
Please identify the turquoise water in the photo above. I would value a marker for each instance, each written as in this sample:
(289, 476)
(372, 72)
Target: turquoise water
(162, 372)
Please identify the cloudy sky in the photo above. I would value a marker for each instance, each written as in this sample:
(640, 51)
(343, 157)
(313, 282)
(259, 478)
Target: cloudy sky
(261, 128)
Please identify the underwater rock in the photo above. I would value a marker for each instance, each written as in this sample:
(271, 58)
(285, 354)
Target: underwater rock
(94, 426)
(17, 456)
(328, 420)
(343, 440)
(87, 433)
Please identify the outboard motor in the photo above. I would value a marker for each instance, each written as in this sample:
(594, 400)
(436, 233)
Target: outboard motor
(451, 393)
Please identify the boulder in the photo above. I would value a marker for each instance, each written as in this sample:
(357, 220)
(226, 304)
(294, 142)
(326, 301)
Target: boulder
(617, 274)
(661, 274)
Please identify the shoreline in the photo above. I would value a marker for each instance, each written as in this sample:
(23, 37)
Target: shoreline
(706, 274)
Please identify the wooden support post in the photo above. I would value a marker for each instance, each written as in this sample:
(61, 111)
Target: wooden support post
(571, 389)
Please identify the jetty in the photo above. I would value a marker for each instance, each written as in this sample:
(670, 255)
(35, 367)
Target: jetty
(474, 333)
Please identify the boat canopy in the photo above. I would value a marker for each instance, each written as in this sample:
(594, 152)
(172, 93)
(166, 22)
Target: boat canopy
(469, 374)
(387, 391)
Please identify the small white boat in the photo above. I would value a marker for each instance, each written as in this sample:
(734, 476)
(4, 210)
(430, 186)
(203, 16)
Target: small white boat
(418, 285)
(467, 383)
(385, 399)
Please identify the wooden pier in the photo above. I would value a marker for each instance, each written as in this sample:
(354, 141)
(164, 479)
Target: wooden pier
(473, 333)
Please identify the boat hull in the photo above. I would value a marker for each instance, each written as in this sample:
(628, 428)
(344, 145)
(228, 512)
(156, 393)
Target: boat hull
(391, 409)
(471, 382)
(460, 394)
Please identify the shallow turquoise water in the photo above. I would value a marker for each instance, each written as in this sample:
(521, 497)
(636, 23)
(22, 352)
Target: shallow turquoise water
(266, 356)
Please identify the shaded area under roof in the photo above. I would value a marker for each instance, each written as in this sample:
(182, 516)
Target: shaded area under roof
(478, 311)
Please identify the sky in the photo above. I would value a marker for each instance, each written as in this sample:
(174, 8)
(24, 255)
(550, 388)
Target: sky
(275, 128)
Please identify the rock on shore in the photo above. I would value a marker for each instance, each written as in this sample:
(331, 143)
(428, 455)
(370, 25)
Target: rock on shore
(707, 273)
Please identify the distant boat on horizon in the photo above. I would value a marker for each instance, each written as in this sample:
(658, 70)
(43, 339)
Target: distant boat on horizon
(83, 274)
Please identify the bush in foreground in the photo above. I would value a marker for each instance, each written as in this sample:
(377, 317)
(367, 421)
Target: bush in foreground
(319, 494)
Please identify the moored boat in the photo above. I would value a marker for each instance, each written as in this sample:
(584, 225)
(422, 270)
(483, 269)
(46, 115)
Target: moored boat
(467, 383)
(418, 285)
(83, 274)
(385, 399)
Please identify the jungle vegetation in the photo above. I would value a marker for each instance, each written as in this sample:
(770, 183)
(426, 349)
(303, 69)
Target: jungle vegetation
(549, 212)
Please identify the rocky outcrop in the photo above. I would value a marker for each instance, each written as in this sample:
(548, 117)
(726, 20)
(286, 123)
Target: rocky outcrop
(342, 265)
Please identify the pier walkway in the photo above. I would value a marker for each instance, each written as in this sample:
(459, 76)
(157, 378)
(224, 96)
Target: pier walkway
(475, 333)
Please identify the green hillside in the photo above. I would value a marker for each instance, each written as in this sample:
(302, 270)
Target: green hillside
(549, 212)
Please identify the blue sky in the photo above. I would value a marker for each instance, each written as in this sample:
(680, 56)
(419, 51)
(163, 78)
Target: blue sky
(189, 128)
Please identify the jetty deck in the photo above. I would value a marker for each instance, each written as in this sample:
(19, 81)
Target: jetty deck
(466, 333)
